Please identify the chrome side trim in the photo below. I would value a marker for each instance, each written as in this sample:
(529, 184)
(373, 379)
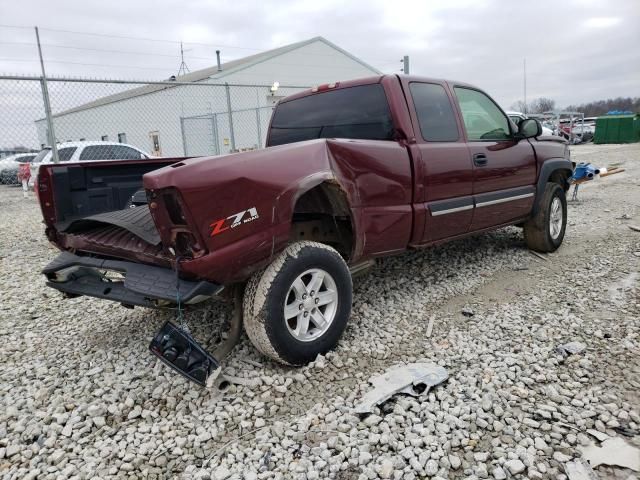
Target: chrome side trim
(451, 210)
(503, 200)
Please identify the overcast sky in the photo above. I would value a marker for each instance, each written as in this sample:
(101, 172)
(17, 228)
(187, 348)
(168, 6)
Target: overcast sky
(576, 50)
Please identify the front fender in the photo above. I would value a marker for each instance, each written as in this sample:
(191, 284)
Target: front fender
(546, 171)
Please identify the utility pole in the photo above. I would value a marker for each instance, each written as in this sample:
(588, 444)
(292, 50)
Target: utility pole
(47, 104)
(405, 64)
(524, 68)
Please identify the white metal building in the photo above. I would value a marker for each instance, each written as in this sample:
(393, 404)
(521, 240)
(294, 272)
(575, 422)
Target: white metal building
(175, 120)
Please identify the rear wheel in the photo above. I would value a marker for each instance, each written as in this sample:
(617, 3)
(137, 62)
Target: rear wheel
(298, 307)
(545, 231)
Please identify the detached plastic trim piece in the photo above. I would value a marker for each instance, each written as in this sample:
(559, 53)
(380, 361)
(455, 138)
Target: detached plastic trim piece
(142, 283)
(179, 350)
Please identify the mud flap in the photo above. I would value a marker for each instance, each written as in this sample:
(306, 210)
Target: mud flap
(177, 349)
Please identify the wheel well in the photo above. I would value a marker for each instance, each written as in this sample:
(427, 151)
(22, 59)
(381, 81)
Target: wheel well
(323, 215)
(560, 177)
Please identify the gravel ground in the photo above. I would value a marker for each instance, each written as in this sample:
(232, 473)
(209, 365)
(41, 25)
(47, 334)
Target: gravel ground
(83, 398)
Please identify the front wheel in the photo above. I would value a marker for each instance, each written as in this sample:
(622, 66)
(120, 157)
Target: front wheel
(545, 231)
(299, 305)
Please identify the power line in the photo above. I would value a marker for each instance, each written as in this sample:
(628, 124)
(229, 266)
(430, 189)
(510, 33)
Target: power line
(84, 64)
(103, 50)
(104, 35)
(167, 69)
(126, 52)
(126, 37)
(174, 56)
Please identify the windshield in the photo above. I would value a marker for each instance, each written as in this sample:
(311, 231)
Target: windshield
(356, 112)
(43, 153)
(26, 159)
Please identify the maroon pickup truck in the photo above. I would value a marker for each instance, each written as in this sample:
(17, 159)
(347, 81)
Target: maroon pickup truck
(352, 171)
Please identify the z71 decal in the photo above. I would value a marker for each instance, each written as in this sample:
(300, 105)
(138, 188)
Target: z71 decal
(234, 221)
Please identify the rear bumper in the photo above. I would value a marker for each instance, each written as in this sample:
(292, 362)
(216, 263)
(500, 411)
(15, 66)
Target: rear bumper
(138, 284)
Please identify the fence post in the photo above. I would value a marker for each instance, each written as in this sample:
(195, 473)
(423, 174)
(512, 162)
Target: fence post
(259, 128)
(231, 133)
(184, 139)
(47, 104)
(216, 134)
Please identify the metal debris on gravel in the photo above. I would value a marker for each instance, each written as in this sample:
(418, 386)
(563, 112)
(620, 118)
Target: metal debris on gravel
(613, 451)
(414, 379)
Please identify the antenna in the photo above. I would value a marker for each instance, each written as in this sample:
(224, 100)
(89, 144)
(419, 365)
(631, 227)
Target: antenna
(524, 71)
(183, 65)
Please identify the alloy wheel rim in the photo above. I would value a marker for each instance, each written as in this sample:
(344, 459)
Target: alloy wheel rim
(555, 218)
(311, 305)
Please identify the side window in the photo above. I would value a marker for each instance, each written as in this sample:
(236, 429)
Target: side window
(435, 114)
(360, 112)
(483, 120)
(97, 152)
(516, 119)
(65, 154)
(125, 153)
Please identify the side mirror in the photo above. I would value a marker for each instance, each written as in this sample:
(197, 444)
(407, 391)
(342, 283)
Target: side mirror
(529, 128)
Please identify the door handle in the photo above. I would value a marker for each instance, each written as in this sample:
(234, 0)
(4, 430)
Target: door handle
(480, 159)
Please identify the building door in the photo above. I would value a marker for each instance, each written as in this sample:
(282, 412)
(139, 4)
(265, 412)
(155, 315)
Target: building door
(154, 136)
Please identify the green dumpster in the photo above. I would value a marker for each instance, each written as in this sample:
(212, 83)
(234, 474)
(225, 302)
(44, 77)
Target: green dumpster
(617, 129)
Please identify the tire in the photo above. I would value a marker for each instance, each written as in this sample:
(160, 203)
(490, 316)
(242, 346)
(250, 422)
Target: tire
(289, 280)
(545, 231)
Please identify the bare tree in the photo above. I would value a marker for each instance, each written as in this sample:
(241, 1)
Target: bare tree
(601, 107)
(542, 104)
(519, 106)
(538, 105)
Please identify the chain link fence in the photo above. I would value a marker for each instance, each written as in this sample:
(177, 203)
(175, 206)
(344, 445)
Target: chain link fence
(158, 118)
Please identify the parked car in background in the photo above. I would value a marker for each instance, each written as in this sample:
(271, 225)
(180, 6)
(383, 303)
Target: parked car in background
(9, 167)
(86, 152)
(517, 117)
(576, 131)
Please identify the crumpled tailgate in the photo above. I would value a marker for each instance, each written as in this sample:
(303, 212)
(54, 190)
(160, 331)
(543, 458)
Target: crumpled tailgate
(137, 220)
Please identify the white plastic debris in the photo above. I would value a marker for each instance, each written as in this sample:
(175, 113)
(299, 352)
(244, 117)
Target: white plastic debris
(412, 379)
(571, 348)
(579, 469)
(601, 436)
(614, 451)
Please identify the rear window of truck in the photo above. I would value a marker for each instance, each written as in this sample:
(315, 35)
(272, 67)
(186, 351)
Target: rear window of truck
(356, 112)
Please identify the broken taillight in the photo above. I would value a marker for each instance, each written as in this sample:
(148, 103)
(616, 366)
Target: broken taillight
(174, 209)
(172, 220)
(186, 245)
(44, 189)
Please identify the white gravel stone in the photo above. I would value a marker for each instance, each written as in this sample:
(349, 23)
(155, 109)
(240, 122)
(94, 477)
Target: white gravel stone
(498, 473)
(561, 457)
(515, 466)
(455, 461)
(12, 450)
(221, 473)
(431, 468)
(364, 458)
(385, 470)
